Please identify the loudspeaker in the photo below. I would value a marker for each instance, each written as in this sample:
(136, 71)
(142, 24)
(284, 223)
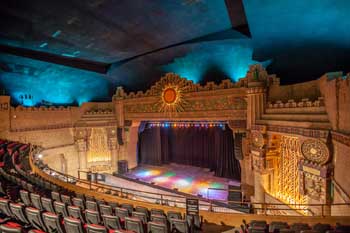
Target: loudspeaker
(122, 167)
(234, 193)
(120, 136)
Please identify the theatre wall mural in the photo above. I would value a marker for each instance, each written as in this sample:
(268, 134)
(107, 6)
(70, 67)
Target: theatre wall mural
(294, 140)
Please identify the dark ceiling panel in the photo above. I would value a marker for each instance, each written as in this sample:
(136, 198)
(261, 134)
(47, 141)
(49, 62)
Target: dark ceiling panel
(97, 67)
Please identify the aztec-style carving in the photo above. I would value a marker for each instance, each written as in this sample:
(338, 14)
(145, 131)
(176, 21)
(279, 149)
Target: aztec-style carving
(314, 187)
(98, 147)
(315, 151)
(188, 85)
(212, 104)
(288, 178)
(257, 139)
(315, 133)
(304, 103)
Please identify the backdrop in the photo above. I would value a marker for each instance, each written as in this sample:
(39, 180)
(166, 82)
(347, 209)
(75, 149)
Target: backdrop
(211, 148)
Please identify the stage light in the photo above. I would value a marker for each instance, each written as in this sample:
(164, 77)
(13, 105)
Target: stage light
(161, 179)
(174, 125)
(183, 183)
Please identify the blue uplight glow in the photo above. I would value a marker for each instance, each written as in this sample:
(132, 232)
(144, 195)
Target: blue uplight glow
(51, 84)
(232, 57)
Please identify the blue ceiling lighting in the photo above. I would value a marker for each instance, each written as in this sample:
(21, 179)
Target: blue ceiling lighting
(51, 84)
(281, 24)
(232, 57)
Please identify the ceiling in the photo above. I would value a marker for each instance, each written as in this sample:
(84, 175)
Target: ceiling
(69, 51)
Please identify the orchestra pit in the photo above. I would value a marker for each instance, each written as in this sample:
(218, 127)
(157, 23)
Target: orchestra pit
(164, 116)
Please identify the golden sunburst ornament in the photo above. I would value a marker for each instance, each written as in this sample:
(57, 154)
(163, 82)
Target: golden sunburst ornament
(171, 89)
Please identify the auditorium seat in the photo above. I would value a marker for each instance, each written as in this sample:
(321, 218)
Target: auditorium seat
(179, 225)
(285, 231)
(52, 223)
(106, 209)
(89, 198)
(173, 214)
(157, 212)
(257, 230)
(10, 229)
(121, 213)
(66, 199)
(36, 201)
(25, 197)
(91, 205)
(5, 207)
(113, 204)
(60, 208)
(157, 227)
(73, 225)
(322, 228)
(55, 196)
(93, 228)
(47, 204)
(195, 220)
(75, 212)
(159, 218)
(35, 218)
(17, 210)
(298, 227)
(111, 222)
(100, 202)
(78, 202)
(92, 217)
(274, 226)
(258, 223)
(128, 206)
(134, 224)
(142, 209)
(2, 190)
(141, 216)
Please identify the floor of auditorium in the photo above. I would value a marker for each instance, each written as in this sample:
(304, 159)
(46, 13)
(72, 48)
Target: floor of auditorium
(187, 179)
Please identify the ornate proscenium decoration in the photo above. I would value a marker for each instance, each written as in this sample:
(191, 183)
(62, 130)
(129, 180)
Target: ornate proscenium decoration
(171, 89)
(315, 151)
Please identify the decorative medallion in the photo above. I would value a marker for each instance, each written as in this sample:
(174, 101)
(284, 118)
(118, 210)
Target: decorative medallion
(169, 95)
(315, 151)
(171, 89)
(257, 139)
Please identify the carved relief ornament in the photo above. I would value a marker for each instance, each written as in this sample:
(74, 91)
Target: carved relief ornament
(315, 151)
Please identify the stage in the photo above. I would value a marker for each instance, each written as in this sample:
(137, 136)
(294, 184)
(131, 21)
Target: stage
(187, 179)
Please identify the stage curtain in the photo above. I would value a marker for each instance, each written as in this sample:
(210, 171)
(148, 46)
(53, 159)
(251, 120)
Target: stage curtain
(211, 148)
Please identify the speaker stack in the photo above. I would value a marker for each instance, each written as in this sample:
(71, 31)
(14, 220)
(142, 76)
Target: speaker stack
(234, 193)
(122, 167)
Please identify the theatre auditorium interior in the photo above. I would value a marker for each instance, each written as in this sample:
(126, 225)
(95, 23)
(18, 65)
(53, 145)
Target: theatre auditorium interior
(174, 116)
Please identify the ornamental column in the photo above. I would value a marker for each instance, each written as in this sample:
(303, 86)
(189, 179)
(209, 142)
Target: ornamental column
(113, 147)
(119, 112)
(80, 139)
(258, 155)
(82, 154)
(256, 93)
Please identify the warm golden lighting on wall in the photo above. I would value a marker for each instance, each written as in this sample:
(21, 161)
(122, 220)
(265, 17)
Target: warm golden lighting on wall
(98, 146)
(288, 174)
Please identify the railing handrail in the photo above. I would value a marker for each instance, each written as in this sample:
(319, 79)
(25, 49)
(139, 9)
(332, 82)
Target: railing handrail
(264, 205)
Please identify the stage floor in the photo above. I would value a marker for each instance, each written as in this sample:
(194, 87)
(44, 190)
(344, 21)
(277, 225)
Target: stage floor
(187, 179)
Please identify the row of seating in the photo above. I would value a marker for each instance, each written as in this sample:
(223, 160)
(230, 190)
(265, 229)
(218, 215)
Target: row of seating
(44, 213)
(261, 226)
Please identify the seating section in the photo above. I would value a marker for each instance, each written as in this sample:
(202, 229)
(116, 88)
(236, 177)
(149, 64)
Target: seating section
(30, 204)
